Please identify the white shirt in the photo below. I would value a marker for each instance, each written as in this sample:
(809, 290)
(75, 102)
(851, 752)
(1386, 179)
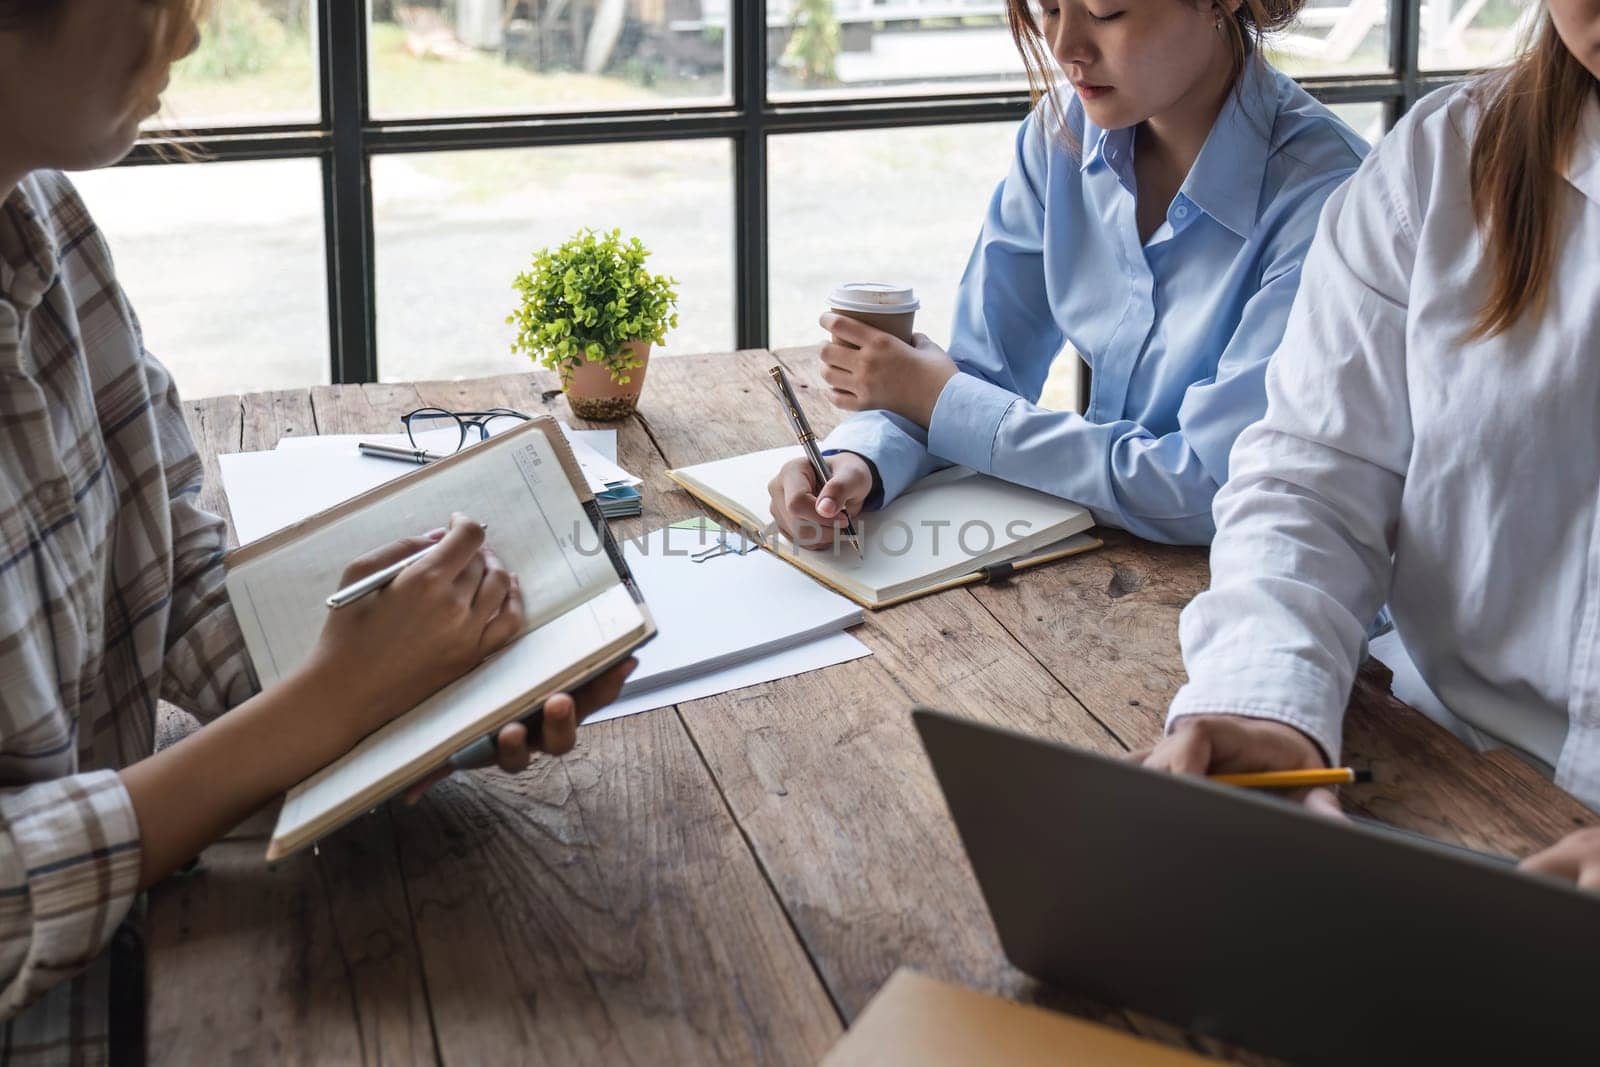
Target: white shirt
(1400, 463)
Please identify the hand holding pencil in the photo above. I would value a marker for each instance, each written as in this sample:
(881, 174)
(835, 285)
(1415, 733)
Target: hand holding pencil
(1250, 752)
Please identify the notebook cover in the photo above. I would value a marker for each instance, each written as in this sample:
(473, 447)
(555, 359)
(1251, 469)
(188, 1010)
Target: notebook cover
(915, 1019)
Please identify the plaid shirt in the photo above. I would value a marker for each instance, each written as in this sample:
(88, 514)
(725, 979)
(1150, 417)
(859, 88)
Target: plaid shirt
(111, 598)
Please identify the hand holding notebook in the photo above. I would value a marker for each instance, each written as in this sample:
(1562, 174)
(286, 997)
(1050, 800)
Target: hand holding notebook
(581, 613)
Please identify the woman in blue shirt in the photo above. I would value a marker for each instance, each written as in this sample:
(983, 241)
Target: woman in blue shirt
(1155, 218)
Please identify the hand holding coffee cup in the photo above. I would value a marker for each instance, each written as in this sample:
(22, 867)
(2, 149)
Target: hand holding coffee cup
(810, 516)
(875, 361)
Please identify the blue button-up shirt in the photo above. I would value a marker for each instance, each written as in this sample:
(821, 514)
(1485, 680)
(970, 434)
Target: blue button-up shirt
(1176, 329)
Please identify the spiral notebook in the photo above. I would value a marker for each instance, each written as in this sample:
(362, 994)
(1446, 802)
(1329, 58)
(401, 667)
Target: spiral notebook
(584, 611)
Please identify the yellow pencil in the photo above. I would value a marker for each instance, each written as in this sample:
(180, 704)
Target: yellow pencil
(1294, 779)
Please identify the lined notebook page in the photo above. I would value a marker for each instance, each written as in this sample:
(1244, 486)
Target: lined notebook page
(451, 718)
(946, 525)
(537, 527)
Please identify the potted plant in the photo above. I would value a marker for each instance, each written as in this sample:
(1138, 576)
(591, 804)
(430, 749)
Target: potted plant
(590, 311)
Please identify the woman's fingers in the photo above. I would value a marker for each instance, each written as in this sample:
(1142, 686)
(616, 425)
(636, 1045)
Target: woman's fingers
(394, 552)
(512, 752)
(558, 732)
(604, 689)
(507, 622)
(456, 549)
(492, 587)
(1323, 801)
(1186, 750)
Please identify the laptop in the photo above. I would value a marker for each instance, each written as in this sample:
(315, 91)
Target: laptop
(1248, 918)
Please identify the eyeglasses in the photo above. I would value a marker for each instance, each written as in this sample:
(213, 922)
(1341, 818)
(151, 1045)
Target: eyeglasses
(443, 433)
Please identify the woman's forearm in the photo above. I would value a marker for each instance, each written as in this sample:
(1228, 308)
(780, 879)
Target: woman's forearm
(188, 795)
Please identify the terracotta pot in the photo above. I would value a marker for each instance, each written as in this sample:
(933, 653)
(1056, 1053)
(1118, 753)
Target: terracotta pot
(593, 395)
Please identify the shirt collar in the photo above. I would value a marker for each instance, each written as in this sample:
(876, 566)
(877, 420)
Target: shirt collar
(1094, 145)
(1583, 171)
(28, 259)
(1225, 181)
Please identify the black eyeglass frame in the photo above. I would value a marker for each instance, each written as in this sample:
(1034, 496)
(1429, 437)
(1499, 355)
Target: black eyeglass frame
(479, 420)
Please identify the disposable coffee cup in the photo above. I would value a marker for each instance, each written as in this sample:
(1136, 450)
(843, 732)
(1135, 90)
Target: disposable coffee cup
(890, 308)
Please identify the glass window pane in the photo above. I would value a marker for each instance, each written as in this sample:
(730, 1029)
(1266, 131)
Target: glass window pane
(885, 47)
(256, 64)
(1335, 37)
(454, 228)
(225, 265)
(1366, 119)
(1457, 34)
(433, 57)
(877, 205)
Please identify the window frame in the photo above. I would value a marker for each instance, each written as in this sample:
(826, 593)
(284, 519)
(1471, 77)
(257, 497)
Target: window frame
(347, 137)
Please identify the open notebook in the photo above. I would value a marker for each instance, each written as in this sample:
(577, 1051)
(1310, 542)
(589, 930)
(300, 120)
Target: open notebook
(951, 528)
(584, 612)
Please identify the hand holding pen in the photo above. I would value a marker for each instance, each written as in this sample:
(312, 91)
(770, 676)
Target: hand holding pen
(449, 602)
(385, 652)
(810, 478)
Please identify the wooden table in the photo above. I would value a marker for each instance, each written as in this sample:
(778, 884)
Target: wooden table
(732, 879)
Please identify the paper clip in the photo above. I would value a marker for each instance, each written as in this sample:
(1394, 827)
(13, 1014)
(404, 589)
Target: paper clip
(723, 548)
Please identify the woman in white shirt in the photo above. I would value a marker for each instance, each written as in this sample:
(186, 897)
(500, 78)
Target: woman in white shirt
(1430, 442)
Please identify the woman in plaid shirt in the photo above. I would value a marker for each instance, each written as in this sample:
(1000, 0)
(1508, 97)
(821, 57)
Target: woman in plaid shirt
(111, 593)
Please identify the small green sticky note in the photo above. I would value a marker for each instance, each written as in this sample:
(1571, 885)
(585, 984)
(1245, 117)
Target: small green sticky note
(699, 522)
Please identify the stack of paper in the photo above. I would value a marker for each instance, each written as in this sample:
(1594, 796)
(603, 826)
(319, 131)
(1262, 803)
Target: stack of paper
(726, 619)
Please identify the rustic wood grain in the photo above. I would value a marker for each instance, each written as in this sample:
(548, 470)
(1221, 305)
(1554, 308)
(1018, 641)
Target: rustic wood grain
(824, 771)
(307, 962)
(721, 882)
(217, 424)
(602, 908)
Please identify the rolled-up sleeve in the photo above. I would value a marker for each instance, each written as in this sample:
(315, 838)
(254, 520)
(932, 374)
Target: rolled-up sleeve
(1305, 527)
(207, 668)
(69, 868)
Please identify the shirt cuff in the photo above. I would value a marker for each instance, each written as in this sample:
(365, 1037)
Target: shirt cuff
(897, 459)
(1300, 699)
(966, 420)
(74, 857)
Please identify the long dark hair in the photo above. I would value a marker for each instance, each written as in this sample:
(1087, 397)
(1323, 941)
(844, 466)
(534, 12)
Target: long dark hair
(1523, 144)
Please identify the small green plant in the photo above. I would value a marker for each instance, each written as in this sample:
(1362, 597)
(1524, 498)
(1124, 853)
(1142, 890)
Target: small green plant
(587, 299)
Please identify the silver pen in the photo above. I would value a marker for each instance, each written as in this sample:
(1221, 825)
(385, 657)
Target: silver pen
(418, 456)
(379, 578)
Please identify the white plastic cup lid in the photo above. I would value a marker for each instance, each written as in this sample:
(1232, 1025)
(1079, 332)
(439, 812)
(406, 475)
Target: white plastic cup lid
(874, 298)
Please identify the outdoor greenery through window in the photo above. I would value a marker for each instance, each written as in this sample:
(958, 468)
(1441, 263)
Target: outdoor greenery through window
(367, 181)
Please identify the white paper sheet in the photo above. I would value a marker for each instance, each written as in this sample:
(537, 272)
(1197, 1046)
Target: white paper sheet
(811, 656)
(595, 451)
(304, 475)
(726, 610)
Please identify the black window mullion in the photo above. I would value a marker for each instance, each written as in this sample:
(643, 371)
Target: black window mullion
(749, 69)
(348, 191)
(1405, 45)
(346, 138)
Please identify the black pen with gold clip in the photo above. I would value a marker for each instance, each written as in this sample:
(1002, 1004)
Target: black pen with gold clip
(808, 441)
